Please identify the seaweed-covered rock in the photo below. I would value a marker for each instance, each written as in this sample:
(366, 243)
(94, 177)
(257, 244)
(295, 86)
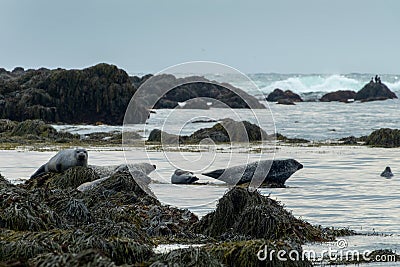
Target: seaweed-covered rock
(374, 91)
(341, 96)
(384, 137)
(98, 93)
(251, 215)
(192, 256)
(19, 211)
(89, 257)
(27, 245)
(227, 130)
(278, 94)
(183, 89)
(286, 139)
(254, 253)
(71, 178)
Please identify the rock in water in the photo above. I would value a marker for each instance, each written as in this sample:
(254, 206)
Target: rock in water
(183, 177)
(387, 173)
(374, 91)
(278, 94)
(274, 172)
(64, 160)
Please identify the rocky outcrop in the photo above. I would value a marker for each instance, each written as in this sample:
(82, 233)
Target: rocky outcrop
(97, 94)
(249, 214)
(341, 96)
(165, 91)
(384, 137)
(227, 130)
(374, 91)
(279, 94)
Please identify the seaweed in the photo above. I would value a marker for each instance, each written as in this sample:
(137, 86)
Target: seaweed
(192, 256)
(254, 253)
(251, 215)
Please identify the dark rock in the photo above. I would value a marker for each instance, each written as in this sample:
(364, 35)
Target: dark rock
(285, 101)
(384, 137)
(227, 130)
(283, 138)
(341, 96)
(99, 93)
(374, 91)
(249, 214)
(280, 94)
(173, 90)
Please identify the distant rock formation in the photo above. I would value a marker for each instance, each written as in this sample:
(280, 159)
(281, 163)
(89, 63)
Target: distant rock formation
(279, 94)
(341, 96)
(227, 130)
(374, 91)
(165, 91)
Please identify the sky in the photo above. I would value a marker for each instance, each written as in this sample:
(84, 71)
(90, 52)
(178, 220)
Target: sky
(312, 36)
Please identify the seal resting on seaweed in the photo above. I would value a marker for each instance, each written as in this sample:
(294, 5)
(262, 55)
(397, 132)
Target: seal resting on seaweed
(64, 160)
(139, 172)
(387, 173)
(183, 177)
(274, 172)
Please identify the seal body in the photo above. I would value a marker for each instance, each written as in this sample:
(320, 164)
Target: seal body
(387, 173)
(139, 172)
(64, 160)
(183, 177)
(268, 171)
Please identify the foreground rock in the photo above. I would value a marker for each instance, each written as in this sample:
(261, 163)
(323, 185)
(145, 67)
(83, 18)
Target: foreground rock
(227, 130)
(279, 94)
(341, 96)
(271, 173)
(249, 215)
(48, 222)
(96, 94)
(374, 91)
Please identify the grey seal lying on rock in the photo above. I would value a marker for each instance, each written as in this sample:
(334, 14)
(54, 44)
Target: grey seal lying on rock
(387, 173)
(272, 172)
(64, 160)
(139, 172)
(183, 177)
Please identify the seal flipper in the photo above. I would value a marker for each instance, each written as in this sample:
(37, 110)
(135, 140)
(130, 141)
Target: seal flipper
(41, 170)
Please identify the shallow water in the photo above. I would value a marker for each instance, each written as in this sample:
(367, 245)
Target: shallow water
(315, 121)
(338, 186)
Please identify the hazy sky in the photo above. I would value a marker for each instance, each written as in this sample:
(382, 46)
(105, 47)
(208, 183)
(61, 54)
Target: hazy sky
(252, 36)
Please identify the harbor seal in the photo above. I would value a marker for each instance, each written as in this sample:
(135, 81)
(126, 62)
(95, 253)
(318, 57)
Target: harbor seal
(183, 177)
(64, 160)
(387, 173)
(139, 172)
(272, 172)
